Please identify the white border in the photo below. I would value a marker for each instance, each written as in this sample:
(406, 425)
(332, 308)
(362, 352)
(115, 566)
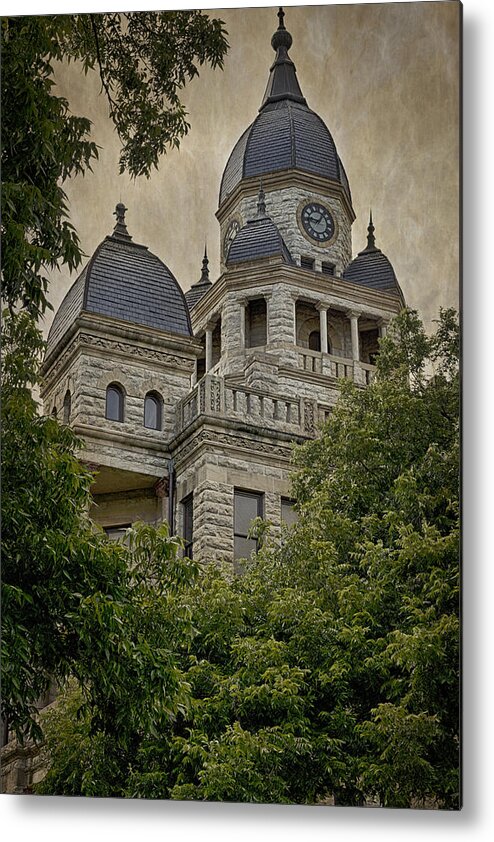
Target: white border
(37, 819)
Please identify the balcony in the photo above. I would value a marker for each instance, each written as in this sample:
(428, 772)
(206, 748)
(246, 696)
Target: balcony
(328, 365)
(211, 397)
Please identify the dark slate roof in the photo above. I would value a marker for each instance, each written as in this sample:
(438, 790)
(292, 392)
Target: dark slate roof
(199, 289)
(125, 281)
(195, 293)
(371, 268)
(286, 134)
(259, 238)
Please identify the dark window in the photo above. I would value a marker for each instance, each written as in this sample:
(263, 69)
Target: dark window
(328, 268)
(315, 340)
(67, 405)
(248, 505)
(54, 412)
(152, 411)
(256, 323)
(288, 514)
(114, 403)
(201, 367)
(188, 525)
(117, 533)
(307, 262)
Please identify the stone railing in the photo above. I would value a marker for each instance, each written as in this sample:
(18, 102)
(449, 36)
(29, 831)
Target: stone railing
(367, 373)
(337, 367)
(212, 397)
(310, 361)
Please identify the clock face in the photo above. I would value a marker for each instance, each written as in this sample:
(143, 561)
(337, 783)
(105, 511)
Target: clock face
(231, 233)
(317, 222)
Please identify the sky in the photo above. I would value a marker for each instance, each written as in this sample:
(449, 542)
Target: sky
(384, 78)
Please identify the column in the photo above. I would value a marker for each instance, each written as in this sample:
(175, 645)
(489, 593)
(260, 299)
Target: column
(323, 326)
(242, 305)
(354, 317)
(209, 346)
(295, 299)
(267, 299)
(383, 327)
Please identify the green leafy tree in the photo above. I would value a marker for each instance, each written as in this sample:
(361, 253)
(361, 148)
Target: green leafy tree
(144, 60)
(74, 603)
(331, 666)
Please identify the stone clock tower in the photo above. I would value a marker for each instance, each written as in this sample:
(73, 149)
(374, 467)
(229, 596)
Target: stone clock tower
(289, 148)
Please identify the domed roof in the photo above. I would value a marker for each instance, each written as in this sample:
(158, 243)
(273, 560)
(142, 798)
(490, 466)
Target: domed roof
(259, 238)
(124, 280)
(371, 268)
(286, 134)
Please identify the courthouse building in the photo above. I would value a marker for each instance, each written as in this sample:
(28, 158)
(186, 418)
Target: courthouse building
(189, 404)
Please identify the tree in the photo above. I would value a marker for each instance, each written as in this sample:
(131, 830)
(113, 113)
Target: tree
(331, 666)
(144, 60)
(75, 604)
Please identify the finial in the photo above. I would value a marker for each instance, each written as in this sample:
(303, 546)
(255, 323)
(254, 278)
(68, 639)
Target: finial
(282, 82)
(281, 40)
(205, 267)
(261, 204)
(371, 240)
(120, 229)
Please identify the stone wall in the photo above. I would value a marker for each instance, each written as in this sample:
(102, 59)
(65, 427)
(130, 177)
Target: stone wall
(212, 473)
(282, 205)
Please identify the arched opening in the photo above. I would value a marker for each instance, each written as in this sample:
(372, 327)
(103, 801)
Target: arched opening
(314, 340)
(152, 411)
(114, 403)
(67, 407)
(54, 412)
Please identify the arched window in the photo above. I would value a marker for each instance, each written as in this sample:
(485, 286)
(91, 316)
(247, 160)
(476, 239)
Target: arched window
(67, 406)
(114, 402)
(54, 412)
(315, 340)
(152, 411)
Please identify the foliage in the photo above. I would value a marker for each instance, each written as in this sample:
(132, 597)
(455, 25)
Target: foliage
(73, 603)
(144, 60)
(331, 666)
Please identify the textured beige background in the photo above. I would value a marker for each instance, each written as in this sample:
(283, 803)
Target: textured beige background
(385, 79)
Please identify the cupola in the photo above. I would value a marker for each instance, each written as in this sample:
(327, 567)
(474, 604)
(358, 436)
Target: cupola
(371, 268)
(286, 134)
(124, 280)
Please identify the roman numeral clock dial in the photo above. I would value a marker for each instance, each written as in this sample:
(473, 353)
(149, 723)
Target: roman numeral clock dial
(317, 223)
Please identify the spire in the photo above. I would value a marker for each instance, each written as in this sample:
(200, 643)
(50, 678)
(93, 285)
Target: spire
(120, 231)
(261, 203)
(204, 279)
(282, 82)
(371, 240)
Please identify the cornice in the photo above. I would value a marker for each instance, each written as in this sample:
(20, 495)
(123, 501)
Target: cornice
(242, 438)
(113, 436)
(261, 273)
(281, 179)
(111, 328)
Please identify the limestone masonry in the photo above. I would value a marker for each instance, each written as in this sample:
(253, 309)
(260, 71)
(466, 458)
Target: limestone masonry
(188, 405)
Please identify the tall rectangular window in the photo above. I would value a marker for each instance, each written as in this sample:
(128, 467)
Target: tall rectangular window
(248, 505)
(288, 514)
(188, 525)
(256, 323)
